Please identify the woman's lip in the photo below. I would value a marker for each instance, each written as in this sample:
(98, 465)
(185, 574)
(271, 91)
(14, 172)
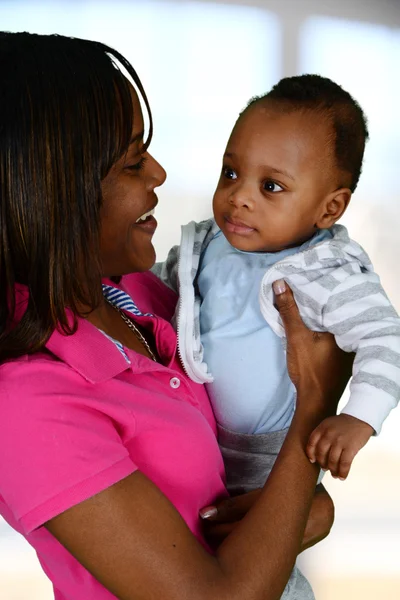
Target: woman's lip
(238, 227)
(149, 225)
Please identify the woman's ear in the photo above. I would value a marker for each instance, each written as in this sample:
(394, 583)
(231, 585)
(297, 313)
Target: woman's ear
(333, 208)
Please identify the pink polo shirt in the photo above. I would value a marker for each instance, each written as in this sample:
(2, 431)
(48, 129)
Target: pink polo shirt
(79, 418)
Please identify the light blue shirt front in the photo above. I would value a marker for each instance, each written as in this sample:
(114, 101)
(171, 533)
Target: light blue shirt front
(252, 391)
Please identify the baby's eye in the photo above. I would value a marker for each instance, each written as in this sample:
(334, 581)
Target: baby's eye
(271, 186)
(229, 173)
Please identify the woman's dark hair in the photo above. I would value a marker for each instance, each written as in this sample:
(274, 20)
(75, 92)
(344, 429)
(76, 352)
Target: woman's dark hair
(327, 98)
(66, 117)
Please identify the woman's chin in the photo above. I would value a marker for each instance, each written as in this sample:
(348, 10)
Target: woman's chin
(134, 264)
(145, 261)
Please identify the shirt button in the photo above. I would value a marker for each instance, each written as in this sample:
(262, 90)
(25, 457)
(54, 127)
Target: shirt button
(175, 382)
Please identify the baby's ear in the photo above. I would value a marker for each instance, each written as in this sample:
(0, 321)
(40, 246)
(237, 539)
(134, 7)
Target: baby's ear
(333, 208)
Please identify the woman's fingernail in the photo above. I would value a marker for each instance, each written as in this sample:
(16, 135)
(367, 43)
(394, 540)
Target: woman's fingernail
(279, 286)
(312, 460)
(208, 512)
(342, 478)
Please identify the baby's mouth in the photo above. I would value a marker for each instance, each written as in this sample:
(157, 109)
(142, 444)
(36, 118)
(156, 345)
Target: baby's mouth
(236, 226)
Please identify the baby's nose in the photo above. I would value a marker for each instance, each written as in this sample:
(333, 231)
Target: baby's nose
(242, 198)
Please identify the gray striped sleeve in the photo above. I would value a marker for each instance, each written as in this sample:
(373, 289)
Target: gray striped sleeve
(381, 353)
(378, 381)
(353, 293)
(167, 271)
(375, 313)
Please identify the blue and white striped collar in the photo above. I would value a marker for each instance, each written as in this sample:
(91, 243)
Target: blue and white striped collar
(122, 300)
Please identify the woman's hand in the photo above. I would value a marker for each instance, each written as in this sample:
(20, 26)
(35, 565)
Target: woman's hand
(221, 519)
(314, 361)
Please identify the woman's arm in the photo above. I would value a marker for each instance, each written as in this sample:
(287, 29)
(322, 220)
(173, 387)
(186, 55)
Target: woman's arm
(136, 544)
(132, 539)
(320, 519)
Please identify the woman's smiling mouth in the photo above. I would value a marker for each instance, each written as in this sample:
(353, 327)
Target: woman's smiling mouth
(147, 222)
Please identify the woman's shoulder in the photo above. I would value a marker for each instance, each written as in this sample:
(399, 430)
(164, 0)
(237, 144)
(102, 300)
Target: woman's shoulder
(150, 294)
(32, 375)
(32, 390)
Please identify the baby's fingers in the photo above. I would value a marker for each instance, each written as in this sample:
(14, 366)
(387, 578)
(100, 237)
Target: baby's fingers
(312, 444)
(335, 454)
(346, 460)
(322, 451)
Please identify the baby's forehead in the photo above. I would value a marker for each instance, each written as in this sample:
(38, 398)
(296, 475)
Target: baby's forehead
(265, 139)
(269, 123)
(266, 112)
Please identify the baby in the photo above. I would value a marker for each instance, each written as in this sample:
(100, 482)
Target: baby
(290, 167)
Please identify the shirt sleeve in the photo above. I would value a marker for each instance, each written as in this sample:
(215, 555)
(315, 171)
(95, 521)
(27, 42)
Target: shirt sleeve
(57, 446)
(167, 271)
(363, 321)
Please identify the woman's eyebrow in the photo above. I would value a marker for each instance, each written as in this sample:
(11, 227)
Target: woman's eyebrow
(137, 137)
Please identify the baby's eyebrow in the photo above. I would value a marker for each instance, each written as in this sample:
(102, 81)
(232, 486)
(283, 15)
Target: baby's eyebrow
(273, 170)
(279, 172)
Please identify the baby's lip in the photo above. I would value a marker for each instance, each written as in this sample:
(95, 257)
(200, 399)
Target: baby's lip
(237, 222)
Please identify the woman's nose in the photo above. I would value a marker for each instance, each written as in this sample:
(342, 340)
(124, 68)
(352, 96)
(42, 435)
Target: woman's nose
(157, 173)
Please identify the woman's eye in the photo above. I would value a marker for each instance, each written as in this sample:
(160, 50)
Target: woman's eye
(271, 186)
(137, 166)
(229, 173)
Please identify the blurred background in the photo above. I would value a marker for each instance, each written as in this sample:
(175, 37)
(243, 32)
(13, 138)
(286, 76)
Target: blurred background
(200, 62)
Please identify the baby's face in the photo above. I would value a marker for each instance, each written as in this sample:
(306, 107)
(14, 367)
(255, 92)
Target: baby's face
(277, 170)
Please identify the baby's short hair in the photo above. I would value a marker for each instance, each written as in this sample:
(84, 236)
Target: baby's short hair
(320, 94)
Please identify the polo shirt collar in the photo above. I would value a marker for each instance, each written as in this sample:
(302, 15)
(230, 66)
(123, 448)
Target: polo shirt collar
(89, 352)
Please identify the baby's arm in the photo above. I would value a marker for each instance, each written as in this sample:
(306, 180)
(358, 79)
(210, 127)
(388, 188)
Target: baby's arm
(167, 271)
(363, 321)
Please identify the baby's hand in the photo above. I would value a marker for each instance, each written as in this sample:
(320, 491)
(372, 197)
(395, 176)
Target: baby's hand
(336, 441)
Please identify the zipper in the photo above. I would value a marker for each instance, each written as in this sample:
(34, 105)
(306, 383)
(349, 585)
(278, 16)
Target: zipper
(179, 318)
(184, 327)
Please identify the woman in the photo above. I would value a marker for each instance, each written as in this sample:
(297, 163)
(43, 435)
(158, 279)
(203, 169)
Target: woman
(110, 449)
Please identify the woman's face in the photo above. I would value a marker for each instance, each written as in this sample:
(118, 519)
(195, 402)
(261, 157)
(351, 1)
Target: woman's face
(128, 195)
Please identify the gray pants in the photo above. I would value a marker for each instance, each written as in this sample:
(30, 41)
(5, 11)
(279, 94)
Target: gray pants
(248, 462)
